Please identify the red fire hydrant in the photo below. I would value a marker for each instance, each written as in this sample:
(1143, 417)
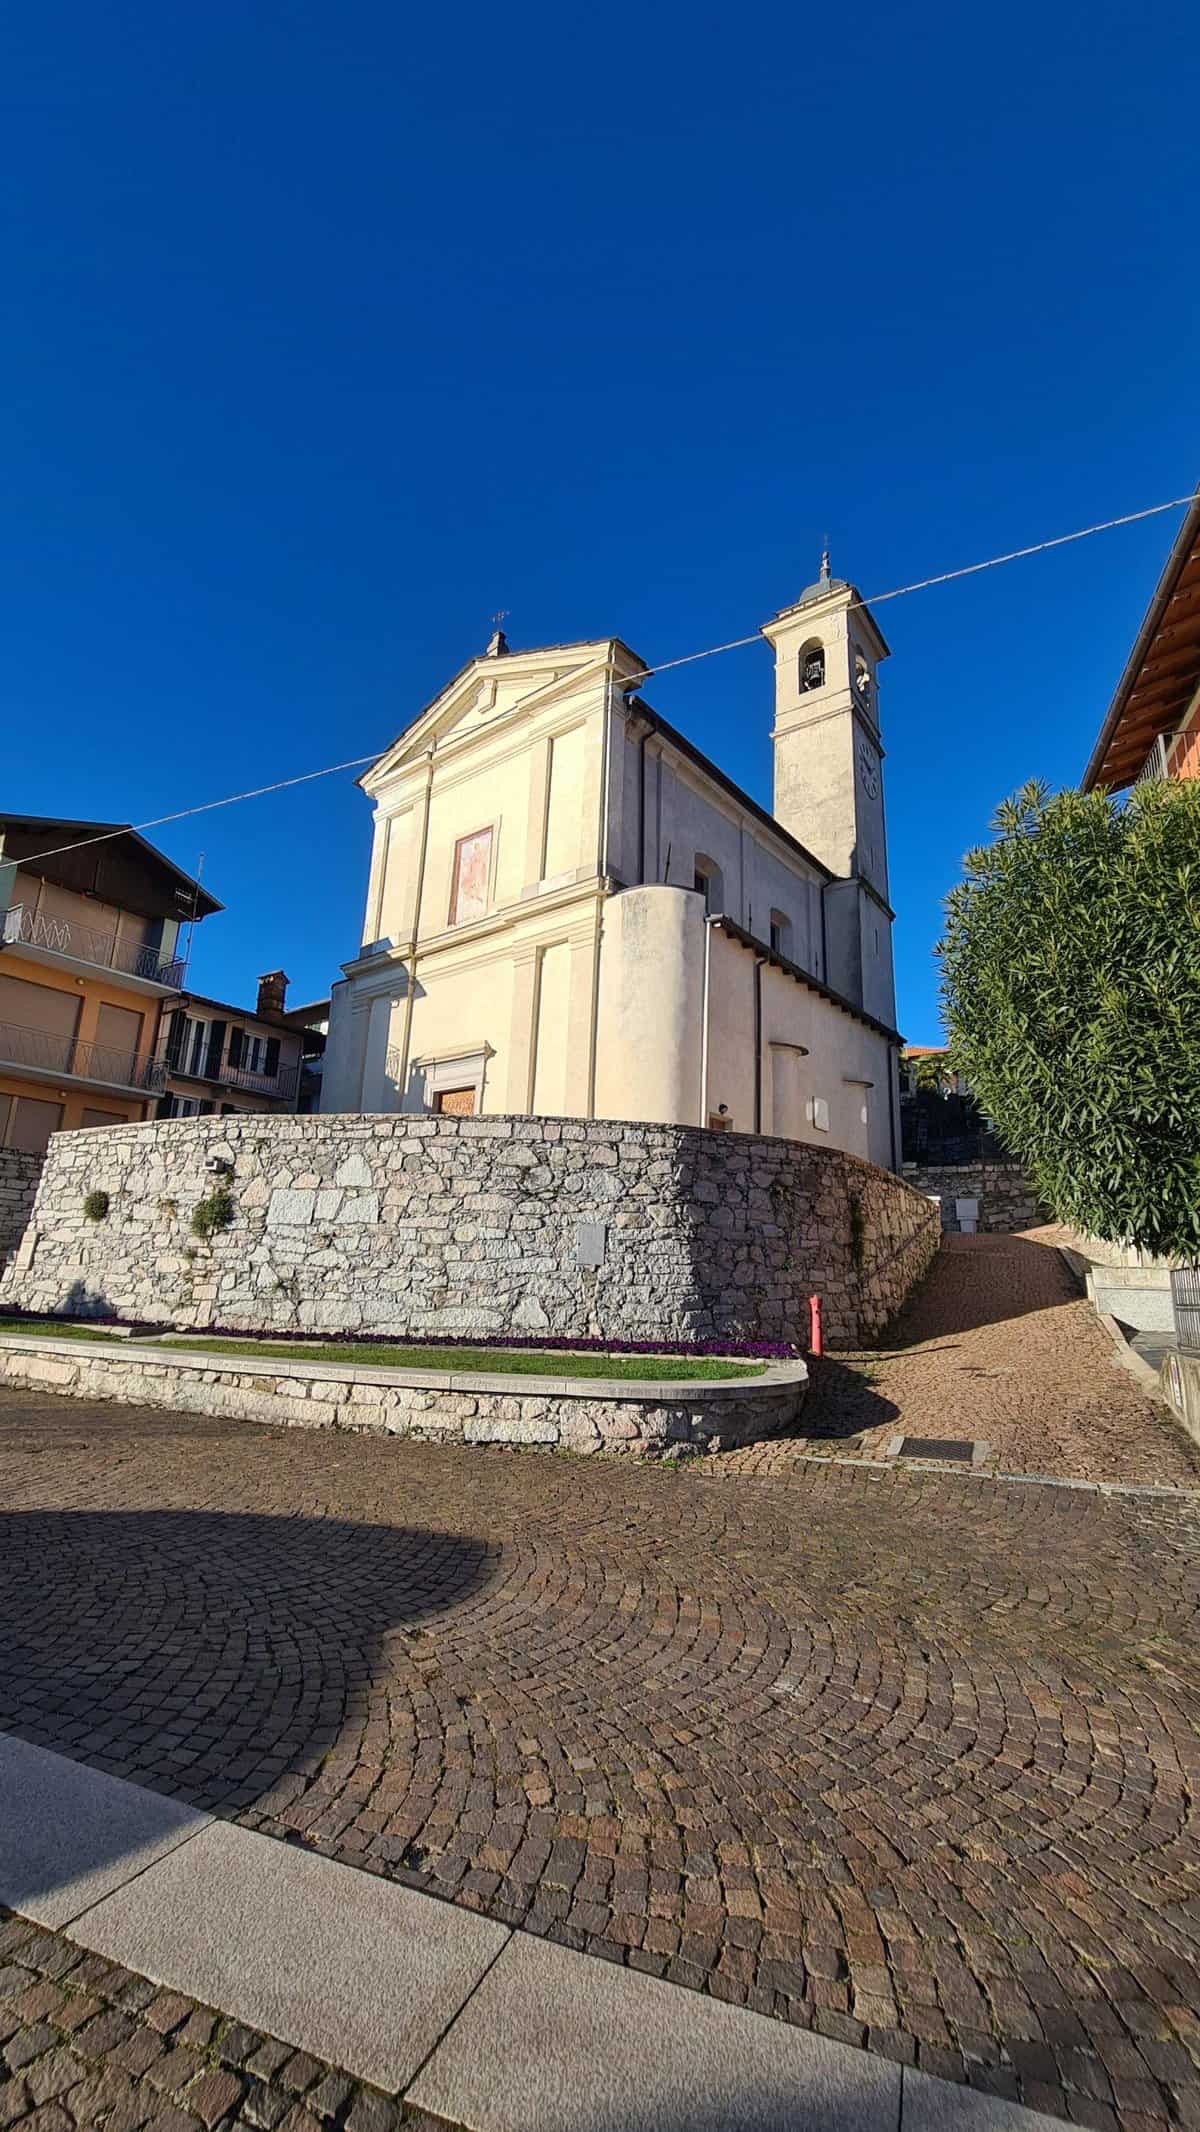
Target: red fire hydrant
(816, 1345)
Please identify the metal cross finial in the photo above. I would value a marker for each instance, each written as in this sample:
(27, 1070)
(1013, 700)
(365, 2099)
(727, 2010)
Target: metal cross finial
(500, 616)
(824, 579)
(498, 642)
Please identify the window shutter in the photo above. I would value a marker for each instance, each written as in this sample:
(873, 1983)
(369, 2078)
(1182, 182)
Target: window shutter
(176, 1033)
(236, 1041)
(216, 1045)
(271, 1062)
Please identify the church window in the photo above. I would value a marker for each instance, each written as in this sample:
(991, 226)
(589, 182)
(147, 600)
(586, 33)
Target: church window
(472, 876)
(708, 883)
(781, 933)
(812, 666)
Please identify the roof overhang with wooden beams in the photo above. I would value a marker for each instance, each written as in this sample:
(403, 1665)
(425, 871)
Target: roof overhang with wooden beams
(1162, 672)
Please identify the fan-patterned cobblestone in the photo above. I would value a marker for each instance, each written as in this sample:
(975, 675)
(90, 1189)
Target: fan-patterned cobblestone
(908, 1758)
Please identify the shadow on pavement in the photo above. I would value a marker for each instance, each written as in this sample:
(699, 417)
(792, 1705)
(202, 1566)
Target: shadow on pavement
(207, 1656)
(842, 1401)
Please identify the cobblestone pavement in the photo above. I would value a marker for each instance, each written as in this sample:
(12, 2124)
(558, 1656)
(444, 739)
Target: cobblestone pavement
(85, 2046)
(909, 1758)
(997, 1344)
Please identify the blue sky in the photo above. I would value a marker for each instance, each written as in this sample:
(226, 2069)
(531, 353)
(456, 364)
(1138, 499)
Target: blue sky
(327, 331)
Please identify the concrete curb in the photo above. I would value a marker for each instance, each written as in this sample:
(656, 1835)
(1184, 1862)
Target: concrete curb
(959, 1470)
(1080, 1270)
(1129, 1358)
(650, 1414)
(766, 1377)
(494, 2029)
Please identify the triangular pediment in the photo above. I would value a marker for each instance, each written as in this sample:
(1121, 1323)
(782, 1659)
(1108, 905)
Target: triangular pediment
(490, 690)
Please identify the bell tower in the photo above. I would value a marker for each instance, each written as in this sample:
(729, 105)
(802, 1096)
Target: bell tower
(829, 775)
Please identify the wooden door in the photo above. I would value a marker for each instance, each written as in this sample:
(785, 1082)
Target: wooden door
(455, 1102)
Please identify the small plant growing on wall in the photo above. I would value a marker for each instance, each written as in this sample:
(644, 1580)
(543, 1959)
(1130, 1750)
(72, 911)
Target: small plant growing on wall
(96, 1206)
(211, 1214)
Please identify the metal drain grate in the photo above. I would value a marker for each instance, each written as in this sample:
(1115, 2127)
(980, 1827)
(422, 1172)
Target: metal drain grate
(937, 1447)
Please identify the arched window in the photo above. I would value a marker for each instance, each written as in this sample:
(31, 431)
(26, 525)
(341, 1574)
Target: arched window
(812, 665)
(708, 883)
(781, 933)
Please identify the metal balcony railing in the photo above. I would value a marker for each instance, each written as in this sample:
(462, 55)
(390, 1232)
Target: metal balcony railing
(1154, 769)
(66, 1055)
(63, 936)
(280, 1086)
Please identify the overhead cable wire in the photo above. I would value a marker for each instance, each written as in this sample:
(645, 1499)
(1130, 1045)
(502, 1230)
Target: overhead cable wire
(182, 814)
(713, 651)
(944, 577)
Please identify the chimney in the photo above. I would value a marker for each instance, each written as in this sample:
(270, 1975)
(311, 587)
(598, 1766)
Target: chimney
(272, 992)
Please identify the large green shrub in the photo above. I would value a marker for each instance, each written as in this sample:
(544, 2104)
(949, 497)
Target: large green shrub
(1071, 984)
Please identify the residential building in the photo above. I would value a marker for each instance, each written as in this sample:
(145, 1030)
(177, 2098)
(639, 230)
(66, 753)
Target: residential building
(215, 1057)
(312, 1020)
(1152, 726)
(571, 910)
(92, 926)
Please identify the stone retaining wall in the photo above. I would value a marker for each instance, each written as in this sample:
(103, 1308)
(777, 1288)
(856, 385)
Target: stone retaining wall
(1006, 1198)
(651, 1419)
(19, 1175)
(474, 1226)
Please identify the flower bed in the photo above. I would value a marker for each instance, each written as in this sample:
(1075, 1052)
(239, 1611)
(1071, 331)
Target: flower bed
(722, 1405)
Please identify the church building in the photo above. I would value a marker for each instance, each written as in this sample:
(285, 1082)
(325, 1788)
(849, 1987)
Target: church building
(573, 912)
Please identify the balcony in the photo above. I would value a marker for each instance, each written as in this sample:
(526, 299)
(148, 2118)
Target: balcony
(65, 1058)
(280, 1087)
(100, 951)
(1154, 769)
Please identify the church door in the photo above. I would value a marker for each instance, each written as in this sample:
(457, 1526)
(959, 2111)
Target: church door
(455, 1102)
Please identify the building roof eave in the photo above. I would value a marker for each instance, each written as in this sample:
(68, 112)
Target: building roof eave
(1187, 540)
(770, 955)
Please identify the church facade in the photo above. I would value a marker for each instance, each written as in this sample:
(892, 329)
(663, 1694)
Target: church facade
(572, 912)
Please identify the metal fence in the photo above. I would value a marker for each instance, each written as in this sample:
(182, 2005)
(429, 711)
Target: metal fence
(1185, 1299)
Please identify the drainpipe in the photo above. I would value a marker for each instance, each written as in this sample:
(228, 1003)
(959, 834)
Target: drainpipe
(641, 865)
(892, 1107)
(708, 933)
(758, 1019)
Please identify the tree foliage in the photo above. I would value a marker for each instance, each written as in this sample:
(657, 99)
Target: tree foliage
(932, 1071)
(1071, 985)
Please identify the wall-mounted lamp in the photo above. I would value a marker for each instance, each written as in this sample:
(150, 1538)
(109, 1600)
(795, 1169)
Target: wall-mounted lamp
(722, 1110)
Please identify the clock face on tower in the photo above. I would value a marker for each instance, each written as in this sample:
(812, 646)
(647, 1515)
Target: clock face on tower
(868, 769)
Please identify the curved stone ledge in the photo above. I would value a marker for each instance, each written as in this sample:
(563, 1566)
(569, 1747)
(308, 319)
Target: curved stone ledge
(575, 1413)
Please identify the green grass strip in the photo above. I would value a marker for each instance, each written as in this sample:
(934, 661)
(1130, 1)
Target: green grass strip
(491, 1361)
(69, 1329)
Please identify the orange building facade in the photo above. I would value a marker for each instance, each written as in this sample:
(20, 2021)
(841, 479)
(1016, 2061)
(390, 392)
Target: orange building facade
(91, 924)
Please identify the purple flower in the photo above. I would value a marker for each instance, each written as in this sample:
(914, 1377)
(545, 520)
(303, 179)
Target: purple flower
(553, 1343)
